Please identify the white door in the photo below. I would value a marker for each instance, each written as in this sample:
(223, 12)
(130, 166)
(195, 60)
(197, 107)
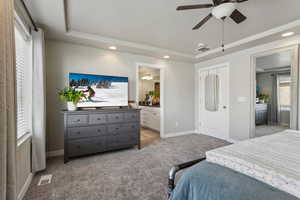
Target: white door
(214, 122)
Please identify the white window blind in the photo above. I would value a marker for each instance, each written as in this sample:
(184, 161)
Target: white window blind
(23, 80)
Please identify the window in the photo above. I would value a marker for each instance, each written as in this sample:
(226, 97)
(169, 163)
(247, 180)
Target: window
(23, 81)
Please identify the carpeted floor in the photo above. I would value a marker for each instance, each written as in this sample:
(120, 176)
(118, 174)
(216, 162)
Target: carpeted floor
(122, 175)
(263, 130)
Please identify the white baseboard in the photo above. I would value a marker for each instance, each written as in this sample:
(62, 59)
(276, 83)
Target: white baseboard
(168, 135)
(228, 140)
(25, 186)
(232, 141)
(55, 153)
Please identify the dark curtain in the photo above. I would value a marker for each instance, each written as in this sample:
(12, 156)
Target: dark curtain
(273, 117)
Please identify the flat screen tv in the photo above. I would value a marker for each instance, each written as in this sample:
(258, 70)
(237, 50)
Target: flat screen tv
(100, 90)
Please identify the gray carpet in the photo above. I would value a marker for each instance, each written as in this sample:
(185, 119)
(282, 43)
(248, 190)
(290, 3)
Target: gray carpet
(263, 130)
(123, 175)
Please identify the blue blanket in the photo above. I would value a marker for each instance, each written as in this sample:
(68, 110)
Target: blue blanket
(207, 181)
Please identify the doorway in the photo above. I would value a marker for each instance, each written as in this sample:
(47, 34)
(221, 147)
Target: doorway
(276, 92)
(214, 101)
(149, 97)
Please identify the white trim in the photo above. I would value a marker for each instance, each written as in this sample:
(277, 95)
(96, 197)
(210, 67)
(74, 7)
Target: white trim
(23, 138)
(162, 91)
(295, 62)
(55, 153)
(264, 34)
(176, 134)
(108, 40)
(221, 65)
(232, 141)
(25, 187)
(21, 26)
(197, 119)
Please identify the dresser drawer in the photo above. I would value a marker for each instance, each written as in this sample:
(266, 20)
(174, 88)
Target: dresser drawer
(115, 117)
(114, 129)
(131, 117)
(86, 146)
(77, 120)
(131, 127)
(82, 132)
(120, 141)
(97, 119)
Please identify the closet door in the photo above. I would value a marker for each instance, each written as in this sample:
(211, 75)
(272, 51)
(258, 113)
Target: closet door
(214, 102)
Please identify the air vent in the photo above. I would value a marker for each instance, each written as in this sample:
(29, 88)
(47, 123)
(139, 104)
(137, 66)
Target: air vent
(46, 179)
(203, 49)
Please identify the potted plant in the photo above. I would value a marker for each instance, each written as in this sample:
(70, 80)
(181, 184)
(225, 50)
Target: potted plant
(263, 98)
(71, 96)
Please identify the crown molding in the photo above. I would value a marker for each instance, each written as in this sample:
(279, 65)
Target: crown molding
(261, 35)
(157, 50)
(111, 41)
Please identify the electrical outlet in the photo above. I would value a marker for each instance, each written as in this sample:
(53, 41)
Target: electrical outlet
(45, 179)
(176, 124)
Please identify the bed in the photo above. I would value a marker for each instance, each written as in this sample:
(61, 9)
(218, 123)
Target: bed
(258, 169)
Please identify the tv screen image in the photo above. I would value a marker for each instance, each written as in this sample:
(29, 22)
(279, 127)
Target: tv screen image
(100, 90)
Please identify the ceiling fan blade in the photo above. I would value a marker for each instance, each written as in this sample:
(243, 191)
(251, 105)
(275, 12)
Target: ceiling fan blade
(198, 6)
(203, 21)
(240, 1)
(217, 2)
(237, 16)
(233, 1)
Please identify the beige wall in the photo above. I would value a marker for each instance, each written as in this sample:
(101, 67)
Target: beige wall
(62, 58)
(240, 85)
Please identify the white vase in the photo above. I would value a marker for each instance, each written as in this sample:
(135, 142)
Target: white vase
(71, 106)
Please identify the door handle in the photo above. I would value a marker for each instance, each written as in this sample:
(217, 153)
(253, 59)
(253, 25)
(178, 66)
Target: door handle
(224, 107)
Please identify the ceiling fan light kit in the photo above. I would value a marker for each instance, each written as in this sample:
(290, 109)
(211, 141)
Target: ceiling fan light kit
(221, 9)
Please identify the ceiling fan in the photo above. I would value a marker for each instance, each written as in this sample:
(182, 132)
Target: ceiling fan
(221, 10)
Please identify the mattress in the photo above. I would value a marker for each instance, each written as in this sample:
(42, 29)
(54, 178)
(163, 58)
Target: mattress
(209, 181)
(274, 160)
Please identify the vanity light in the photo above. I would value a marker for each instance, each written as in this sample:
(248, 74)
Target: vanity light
(113, 48)
(147, 77)
(287, 34)
(166, 57)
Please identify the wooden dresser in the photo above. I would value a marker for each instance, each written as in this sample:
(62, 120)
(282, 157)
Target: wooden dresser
(94, 131)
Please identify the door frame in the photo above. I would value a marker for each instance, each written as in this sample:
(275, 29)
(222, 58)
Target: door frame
(162, 92)
(294, 118)
(222, 65)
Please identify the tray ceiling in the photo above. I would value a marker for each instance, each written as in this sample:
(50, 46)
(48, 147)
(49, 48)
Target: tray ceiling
(156, 24)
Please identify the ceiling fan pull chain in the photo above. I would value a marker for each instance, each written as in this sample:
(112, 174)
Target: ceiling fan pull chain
(223, 33)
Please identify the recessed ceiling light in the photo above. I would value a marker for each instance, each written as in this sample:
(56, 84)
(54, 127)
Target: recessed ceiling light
(287, 34)
(166, 57)
(113, 48)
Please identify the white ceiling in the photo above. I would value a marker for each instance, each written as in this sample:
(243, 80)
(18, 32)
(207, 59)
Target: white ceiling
(281, 59)
(154, 27)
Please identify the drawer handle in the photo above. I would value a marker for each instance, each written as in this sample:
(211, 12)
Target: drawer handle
(99, 119)
(78, 133)
(132, 126)
(78, 120)
(117, 117)
(99, 130)
(117, 128)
